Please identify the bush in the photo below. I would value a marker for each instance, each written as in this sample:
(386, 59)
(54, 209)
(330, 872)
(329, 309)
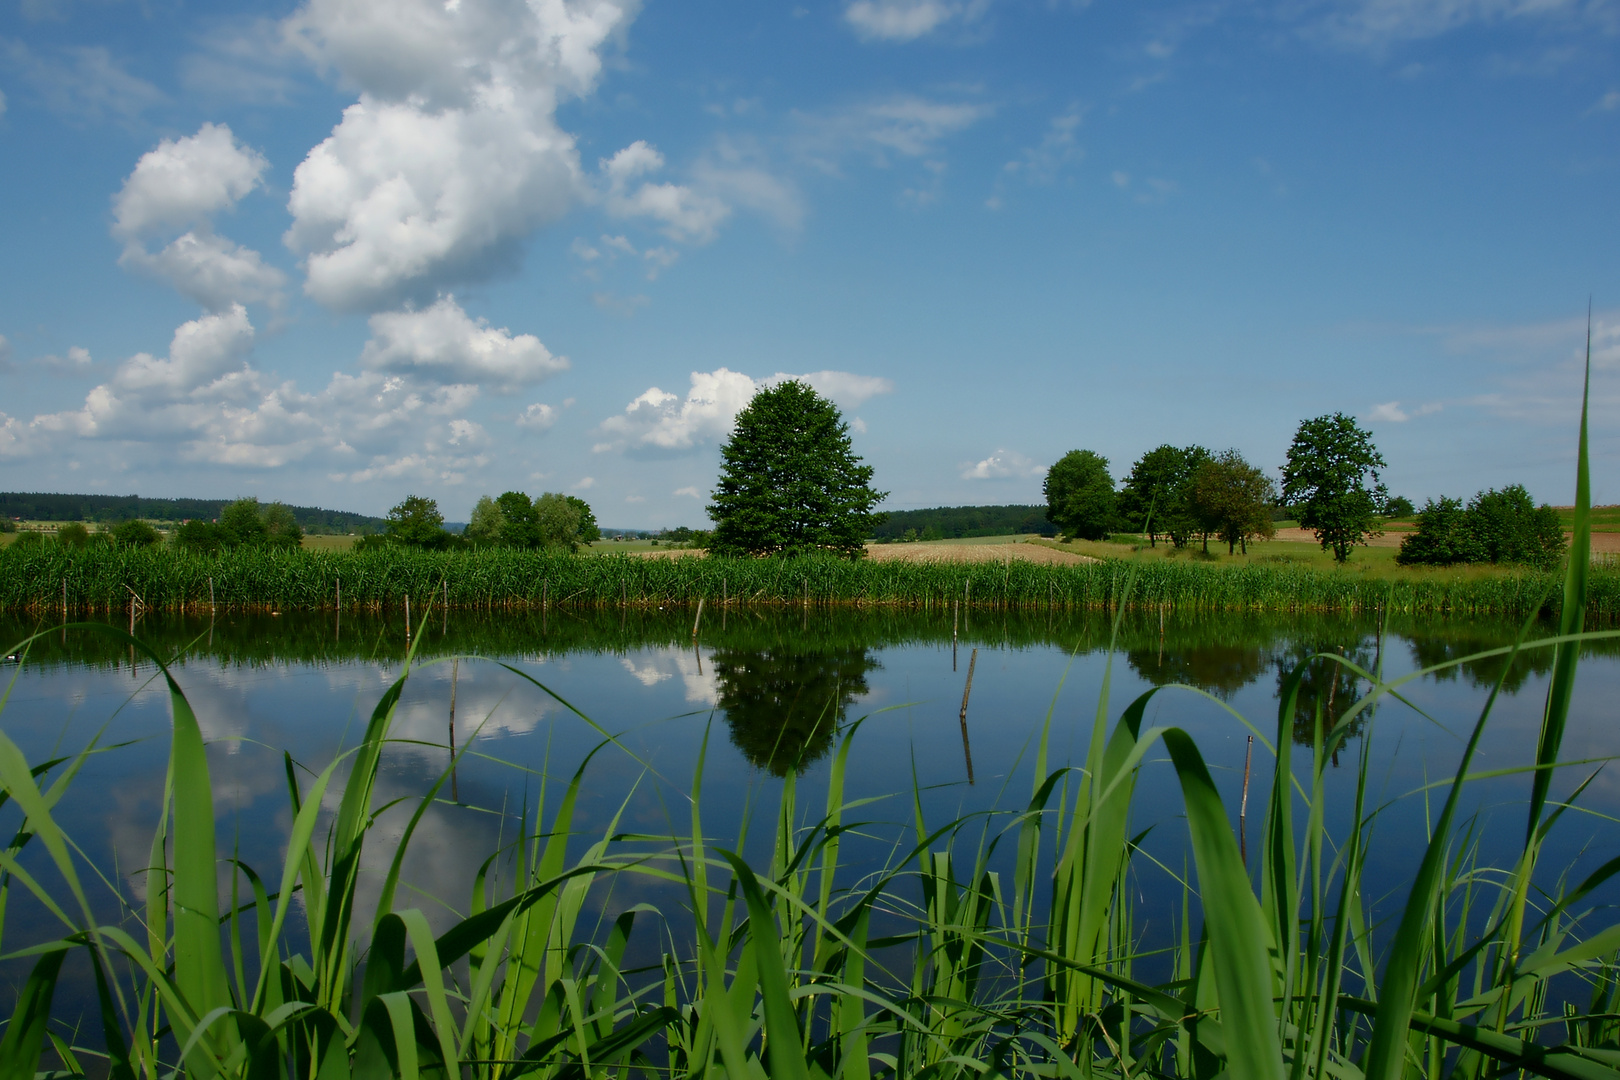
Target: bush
(135, 533)
(1496, 527)
(73, 534)
(199, 536)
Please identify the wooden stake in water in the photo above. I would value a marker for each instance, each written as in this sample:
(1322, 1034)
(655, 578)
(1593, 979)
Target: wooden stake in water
(698, 619)
(967, 751)
(213, 609)
(407, 617)
(1243, 807)
(64, 594)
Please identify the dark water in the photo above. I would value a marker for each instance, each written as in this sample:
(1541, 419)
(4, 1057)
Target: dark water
(769, 691)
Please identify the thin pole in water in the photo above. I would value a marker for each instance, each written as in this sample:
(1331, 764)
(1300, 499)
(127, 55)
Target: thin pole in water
(967, 751)
(213, 609)
(64, 596)
(697, 620)
(407, 617)
(455, 671)
(1243, 807)
(954, 613)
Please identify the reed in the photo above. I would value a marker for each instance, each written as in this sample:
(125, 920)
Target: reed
(34, 580)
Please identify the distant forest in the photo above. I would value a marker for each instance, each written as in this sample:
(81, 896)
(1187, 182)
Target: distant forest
(948, 522)
(111, 509)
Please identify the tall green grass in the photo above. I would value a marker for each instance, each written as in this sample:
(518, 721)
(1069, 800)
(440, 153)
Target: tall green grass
(954, 958)
(105, 580)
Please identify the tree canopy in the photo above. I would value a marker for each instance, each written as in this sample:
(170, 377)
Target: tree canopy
(416, 521)
(1080, 495)
(1156, 497)
(1233, 499)
(549, 520)
(1332, 475)
(790, 480)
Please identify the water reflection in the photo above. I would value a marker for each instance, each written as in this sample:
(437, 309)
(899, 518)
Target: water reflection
(784, 704)
(1220, 668)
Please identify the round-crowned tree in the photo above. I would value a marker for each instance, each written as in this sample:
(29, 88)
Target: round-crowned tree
(1080, 495)
(790, 482)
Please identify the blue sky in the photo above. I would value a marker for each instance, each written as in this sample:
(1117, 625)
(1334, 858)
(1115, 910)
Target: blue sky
(342, 251)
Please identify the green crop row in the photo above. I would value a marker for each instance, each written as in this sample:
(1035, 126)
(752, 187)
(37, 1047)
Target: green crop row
(43, 579)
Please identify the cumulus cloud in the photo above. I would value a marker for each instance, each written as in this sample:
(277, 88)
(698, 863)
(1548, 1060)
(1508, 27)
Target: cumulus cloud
(1003, 465)
(211, 270)
(692, 491)
(685, 215)
(77, 359)
(186, 181)
(907, 20)
(1390, 412)
(585, 483)
(442, 344)
(204, 402)
(181, 184)
(452, 153)
(659, 421)
(538, 416)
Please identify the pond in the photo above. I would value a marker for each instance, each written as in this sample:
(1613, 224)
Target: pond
(757, 695)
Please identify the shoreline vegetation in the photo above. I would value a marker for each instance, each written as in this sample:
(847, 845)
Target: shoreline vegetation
(50, 581)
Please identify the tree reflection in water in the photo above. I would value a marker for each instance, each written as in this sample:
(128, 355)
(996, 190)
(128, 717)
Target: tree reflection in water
(785, 704)
(1327, 685)
(1220, 669)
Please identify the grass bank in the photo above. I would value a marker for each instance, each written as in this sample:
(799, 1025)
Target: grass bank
(39, 580)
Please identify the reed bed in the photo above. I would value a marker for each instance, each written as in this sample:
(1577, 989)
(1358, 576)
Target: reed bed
(40, 580)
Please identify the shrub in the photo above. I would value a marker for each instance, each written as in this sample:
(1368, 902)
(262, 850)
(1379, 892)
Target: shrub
(73, 534)
(135, 533)
(1497, 527)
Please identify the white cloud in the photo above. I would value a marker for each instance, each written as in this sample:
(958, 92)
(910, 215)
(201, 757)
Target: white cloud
(907, 20)
(687, 216)
(210, 270)
(1003, 465)
(2, 103)
(903, 124)
(204, 402)
(442, 344)
(657, 420)
(181, 184)
(1377, 24)
(1041, 164)
(585, 483)
(452, 154)
(622, 306)
(1390, 412)
(5, 353)
(846, 389)
(635, 498)
(538, 416)
(77, 359)
(1608, 102)
(86, 83)
(661, 421)
(692, 491)
(184, 182)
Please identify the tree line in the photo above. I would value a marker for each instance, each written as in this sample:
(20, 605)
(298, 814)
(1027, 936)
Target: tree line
(548, 521)
(111, 509)
(1330, 481)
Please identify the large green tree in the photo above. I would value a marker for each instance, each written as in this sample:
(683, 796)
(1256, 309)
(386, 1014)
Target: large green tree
(520, 528)
(790, 481)
(1332, 475)
(589, 531)
(1156, 496)
(1080, 495)
(1233, 500)
(416, 521)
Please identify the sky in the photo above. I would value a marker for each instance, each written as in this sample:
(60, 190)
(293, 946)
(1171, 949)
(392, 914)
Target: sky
(342, 251)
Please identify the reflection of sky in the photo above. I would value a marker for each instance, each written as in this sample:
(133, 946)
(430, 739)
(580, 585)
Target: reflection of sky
(522, 744)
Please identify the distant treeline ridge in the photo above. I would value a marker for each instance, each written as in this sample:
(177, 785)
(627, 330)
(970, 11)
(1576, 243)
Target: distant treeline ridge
(950, 522)
(111, 509)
